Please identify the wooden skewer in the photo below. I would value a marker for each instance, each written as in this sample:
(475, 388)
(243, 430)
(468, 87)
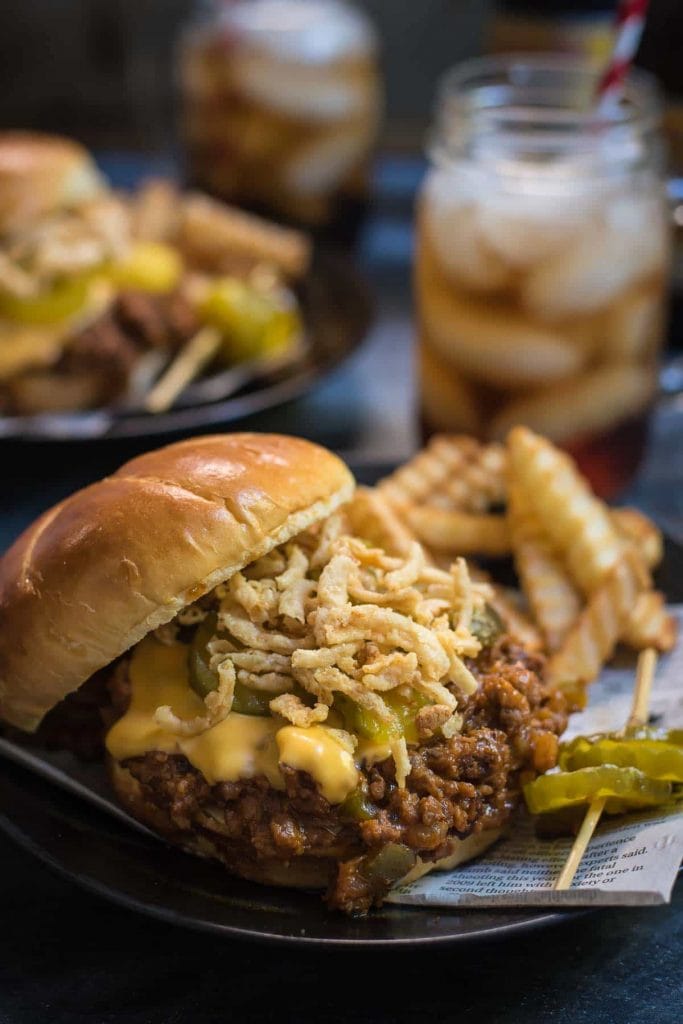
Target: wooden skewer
(194, 355)
(645, 673)
(647, 663)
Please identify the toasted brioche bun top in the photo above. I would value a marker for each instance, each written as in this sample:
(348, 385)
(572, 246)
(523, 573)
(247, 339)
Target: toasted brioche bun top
(40, 174)
(99, 571)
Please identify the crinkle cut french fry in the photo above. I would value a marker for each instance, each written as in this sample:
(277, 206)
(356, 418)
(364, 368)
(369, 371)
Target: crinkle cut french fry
(592, 639)
(372, 517)
(461, 533)
(429, 470)
(546, 584)
(211, 233)
(577, 523)
(637, 528)
(649, 624)
(155, 210)
(453, 472)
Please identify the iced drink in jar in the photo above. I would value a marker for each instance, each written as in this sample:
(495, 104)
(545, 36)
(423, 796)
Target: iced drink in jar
(542, 259)
(281, 103)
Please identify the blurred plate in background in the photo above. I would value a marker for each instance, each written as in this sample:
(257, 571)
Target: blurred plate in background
(337, 312)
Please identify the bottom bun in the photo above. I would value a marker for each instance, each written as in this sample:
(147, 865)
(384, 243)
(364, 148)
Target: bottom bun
(305, 872)
(309, 871)
(461, 850)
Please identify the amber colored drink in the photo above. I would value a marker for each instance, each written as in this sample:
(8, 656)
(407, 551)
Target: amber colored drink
(281, 103)
(540, 283)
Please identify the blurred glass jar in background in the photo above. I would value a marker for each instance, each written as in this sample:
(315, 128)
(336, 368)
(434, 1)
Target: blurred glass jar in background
(281, 102)
(542, 260)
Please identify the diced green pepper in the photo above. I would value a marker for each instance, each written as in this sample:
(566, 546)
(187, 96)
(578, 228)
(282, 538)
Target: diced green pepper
(389, 865)
(486, 625)
(358, 805)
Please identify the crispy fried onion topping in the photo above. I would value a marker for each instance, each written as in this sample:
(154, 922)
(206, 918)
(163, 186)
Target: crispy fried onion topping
(218, 704)
(329, 615)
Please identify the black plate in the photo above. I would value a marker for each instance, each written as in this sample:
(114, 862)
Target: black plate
(107, 858)
(337, 312)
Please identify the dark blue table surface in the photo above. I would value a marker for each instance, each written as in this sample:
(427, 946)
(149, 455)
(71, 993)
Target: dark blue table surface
(68, 957)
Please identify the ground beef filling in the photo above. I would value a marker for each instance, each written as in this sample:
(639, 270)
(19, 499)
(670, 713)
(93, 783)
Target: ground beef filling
(456, 787)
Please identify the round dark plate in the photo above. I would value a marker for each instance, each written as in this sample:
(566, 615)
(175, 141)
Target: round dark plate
(337, 312)
(122, 865)
(143, 874)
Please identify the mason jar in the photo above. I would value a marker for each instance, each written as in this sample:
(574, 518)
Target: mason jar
(281, 101)
(542, 259)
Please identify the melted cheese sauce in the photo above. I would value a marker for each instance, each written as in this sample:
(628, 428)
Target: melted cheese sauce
(316, 750)
(239, 747)
(370, 752)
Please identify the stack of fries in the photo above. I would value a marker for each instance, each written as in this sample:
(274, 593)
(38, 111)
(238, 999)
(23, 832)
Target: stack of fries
(584, 569)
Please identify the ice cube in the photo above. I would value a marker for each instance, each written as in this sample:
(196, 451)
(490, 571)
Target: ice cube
(633, 327)
(451, 223)
(302, 31)
(303, 92)
(620, 247)
(592, 403)
(321, 165)
(496, 346)
(523, 229)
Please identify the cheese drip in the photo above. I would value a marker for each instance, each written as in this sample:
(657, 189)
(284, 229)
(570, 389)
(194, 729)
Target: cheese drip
(316, 751)
(239, 747)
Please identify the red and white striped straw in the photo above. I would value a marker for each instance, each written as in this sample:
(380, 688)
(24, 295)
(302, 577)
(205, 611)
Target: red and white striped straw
(628, 31)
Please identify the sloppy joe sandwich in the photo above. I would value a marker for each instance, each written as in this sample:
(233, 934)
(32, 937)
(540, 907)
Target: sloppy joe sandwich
(271, 687)
(100, 291)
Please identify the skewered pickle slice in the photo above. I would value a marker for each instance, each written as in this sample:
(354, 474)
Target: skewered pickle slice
(657, 758)
(256, 323)
(148, 267)
(625, 789)
(62, 300)
(651, 732)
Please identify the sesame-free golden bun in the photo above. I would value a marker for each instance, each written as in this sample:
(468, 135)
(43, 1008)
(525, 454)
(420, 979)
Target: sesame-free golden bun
(96, 573)
(40, 174)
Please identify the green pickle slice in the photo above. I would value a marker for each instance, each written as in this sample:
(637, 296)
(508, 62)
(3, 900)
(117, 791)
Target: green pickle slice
(365, 723)
(61, 301)
(625, 789)
(657, 756)
(255, 323)
(203, 679)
